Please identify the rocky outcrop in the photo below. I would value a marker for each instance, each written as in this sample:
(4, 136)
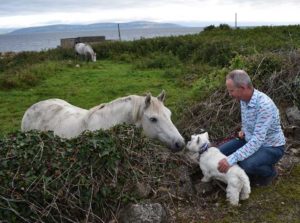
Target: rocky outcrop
(144, 213)
(292, 131)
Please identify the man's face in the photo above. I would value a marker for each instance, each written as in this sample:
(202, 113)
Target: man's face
(235, 92)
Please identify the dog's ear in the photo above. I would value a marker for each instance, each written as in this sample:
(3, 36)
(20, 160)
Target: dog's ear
(206, 135)
(198, 139)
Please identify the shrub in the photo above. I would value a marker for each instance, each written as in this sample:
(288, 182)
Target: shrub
(259, 65)
(208, 83)
(47, 179)
(215, 53)
(28, 75)
(172, 72)
(159, 60)
(209, 28)
(224, 27)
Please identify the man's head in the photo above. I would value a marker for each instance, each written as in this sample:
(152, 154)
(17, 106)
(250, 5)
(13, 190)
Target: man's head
(239, 85)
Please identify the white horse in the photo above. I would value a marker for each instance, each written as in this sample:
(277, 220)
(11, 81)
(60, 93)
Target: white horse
(68, 121)
(86, 50)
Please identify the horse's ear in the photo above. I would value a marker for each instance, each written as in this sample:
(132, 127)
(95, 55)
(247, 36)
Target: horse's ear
(148, 99)
(162, 96)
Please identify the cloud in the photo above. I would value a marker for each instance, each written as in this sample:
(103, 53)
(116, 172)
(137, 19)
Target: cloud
(25, 7)
(24, 13)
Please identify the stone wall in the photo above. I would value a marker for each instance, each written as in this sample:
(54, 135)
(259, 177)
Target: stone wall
(70, 42)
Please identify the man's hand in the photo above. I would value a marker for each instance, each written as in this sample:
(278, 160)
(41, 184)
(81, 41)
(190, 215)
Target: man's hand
(223, 165)
(241, 134)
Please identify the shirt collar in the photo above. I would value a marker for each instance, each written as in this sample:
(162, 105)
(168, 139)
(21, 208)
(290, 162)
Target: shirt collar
(253, 99)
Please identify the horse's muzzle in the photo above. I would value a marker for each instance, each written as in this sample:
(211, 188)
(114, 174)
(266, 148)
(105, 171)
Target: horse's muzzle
(178, 146)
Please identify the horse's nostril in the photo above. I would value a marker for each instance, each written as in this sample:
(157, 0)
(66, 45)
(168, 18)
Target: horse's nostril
(179, 145)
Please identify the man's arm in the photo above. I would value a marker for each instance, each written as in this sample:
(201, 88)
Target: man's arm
(263, 123)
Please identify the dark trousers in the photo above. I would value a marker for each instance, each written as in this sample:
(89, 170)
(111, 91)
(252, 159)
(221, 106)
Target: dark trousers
(261, 163)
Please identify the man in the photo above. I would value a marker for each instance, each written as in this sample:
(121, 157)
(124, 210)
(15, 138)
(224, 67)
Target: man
(261, 141)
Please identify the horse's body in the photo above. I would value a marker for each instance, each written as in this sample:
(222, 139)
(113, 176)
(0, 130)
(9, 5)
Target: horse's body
(86, 50)
(69, 121)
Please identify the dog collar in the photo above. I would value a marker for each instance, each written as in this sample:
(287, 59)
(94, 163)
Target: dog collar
(203, 148)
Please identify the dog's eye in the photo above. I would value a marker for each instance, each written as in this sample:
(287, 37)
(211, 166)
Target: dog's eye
(198, 140)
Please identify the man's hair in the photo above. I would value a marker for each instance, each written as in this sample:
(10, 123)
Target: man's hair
(239, 78)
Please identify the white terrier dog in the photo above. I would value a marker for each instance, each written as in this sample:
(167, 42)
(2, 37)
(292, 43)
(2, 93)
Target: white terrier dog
(238, 184)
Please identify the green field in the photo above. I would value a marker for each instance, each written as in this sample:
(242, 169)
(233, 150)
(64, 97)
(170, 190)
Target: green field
(86, 86)
(191, 69)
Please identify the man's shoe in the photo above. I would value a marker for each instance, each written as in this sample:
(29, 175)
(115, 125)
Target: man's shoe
(266, 181)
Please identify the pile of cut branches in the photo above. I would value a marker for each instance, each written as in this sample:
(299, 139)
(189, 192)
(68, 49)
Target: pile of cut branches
(90, 178)
(276, 74)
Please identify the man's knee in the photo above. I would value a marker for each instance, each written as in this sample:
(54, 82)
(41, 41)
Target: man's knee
(249, 166)
(231, 146)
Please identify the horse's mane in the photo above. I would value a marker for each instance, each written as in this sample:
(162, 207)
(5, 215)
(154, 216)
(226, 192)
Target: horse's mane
(89, 48)
(138, 103)
(108, 104)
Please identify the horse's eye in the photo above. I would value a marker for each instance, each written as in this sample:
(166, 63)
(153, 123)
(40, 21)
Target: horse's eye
(152, 119)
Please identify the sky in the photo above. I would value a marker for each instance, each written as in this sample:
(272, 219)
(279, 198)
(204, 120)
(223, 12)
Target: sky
(28, 13)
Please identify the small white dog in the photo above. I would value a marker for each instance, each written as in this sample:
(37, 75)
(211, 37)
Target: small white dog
(238, 184)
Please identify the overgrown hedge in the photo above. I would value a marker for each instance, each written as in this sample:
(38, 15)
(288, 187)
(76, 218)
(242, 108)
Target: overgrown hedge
(215, 47)
(48, 179)
(276, 74)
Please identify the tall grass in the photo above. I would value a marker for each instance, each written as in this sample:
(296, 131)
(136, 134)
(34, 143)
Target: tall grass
(85, 86)
(188, 67)
(216, 46)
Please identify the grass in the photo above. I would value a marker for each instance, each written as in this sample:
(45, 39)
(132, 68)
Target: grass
(86, 86)
(279, 202)
(276, 203)
(95, 83)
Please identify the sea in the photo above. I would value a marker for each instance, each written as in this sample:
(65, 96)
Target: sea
(45, 41)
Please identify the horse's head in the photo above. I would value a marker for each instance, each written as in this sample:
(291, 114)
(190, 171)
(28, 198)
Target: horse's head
(93, 55)
(157, 124)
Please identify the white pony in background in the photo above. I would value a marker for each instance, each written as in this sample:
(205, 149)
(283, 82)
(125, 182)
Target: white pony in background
(69, 121)
(86, 50)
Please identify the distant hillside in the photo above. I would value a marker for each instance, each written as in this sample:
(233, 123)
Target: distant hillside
(4, 30)
(93, 27)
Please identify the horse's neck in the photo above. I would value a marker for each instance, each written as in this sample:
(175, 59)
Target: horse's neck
(89, 49)
(124, 110)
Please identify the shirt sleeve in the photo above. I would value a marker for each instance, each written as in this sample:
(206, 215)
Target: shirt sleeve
(263, 123)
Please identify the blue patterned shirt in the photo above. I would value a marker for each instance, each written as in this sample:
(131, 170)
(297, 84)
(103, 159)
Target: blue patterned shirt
(261, 125)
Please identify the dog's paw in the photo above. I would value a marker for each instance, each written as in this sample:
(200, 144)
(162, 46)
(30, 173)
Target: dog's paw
(205, 179)
(244, 196)
(234, 202)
